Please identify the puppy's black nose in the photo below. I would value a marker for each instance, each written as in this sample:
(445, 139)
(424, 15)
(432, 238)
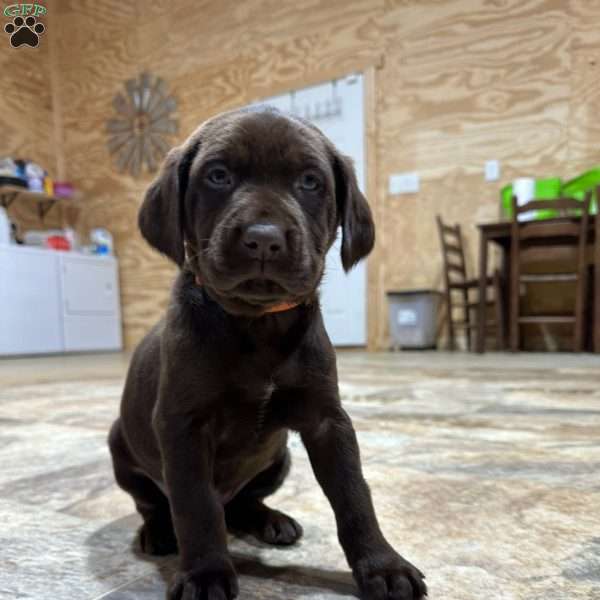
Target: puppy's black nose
(263, 241)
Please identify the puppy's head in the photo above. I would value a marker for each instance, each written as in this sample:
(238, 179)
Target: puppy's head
(254, 198)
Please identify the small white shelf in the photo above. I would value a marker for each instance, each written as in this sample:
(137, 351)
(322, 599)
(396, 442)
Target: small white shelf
(10, 193)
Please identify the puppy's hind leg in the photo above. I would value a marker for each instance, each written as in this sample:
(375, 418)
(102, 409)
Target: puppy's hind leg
(247, 513)
(156, 535)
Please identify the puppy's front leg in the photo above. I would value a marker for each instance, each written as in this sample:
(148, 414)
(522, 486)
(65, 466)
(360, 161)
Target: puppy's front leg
(380, 572)
(205, 569)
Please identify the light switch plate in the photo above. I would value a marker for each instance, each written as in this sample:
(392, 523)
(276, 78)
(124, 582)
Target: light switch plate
(404, 183)
(492, 170)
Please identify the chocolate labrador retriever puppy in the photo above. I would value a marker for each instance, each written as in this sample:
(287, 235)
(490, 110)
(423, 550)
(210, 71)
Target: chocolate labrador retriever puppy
(248, 207)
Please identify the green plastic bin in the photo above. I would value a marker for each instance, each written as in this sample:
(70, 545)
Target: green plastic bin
(545, 189)
(578, 187)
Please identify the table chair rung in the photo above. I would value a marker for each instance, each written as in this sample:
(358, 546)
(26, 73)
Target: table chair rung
(547, 277)
(547, 319)
(468, 284)
(476, 304)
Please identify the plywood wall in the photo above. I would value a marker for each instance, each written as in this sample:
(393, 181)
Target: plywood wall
(27, 123)
(460, 82)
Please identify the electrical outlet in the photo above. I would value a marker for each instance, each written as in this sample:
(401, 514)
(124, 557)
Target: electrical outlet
(492, 170)
(404, 183)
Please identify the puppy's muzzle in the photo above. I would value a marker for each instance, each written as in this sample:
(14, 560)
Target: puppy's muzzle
(264, 242)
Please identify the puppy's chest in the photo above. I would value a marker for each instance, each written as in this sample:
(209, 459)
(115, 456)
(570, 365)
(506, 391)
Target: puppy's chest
(250, 414)
(257, 402)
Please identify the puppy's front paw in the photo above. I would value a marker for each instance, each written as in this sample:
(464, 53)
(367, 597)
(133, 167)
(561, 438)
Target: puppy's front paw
(213, 578)
(388, 576)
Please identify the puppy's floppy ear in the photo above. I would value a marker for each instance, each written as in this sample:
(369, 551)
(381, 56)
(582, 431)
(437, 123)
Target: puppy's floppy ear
(161, 215)
(358, 229)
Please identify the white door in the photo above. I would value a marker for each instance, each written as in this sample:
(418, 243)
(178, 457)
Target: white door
(336, 108)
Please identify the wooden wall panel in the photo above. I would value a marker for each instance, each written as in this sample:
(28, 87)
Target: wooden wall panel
(584, 125)
(481, 83)
(461, 82)
(26, 116)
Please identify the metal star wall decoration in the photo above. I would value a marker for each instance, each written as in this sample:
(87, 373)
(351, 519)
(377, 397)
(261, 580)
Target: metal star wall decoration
(139, 136)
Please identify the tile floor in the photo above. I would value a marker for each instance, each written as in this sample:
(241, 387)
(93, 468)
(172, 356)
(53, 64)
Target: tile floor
(485, 472)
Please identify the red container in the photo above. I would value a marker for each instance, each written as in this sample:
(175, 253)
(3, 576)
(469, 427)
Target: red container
(58, 242)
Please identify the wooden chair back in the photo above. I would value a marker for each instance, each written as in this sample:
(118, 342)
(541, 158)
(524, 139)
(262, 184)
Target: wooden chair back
(596, 259)
(548, 240)
(453, 254)
(457, 281)
(529, 231)
(568, 233)
(455, 274)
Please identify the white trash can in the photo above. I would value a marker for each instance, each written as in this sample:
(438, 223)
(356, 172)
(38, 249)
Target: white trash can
(414, 318)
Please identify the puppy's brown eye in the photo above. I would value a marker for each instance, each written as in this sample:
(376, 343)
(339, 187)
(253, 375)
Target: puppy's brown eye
(219, 177)
(309, 182)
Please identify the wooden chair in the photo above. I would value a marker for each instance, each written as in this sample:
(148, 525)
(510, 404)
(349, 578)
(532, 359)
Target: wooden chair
(458, 284)
(546, 242)
(596, 296)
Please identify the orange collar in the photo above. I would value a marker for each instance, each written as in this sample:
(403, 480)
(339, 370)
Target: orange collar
(276, 308)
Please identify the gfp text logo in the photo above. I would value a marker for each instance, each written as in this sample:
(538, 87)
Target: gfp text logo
(24, 29)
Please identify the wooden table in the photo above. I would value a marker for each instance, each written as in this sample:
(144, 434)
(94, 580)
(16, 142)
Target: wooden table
(500, 234)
